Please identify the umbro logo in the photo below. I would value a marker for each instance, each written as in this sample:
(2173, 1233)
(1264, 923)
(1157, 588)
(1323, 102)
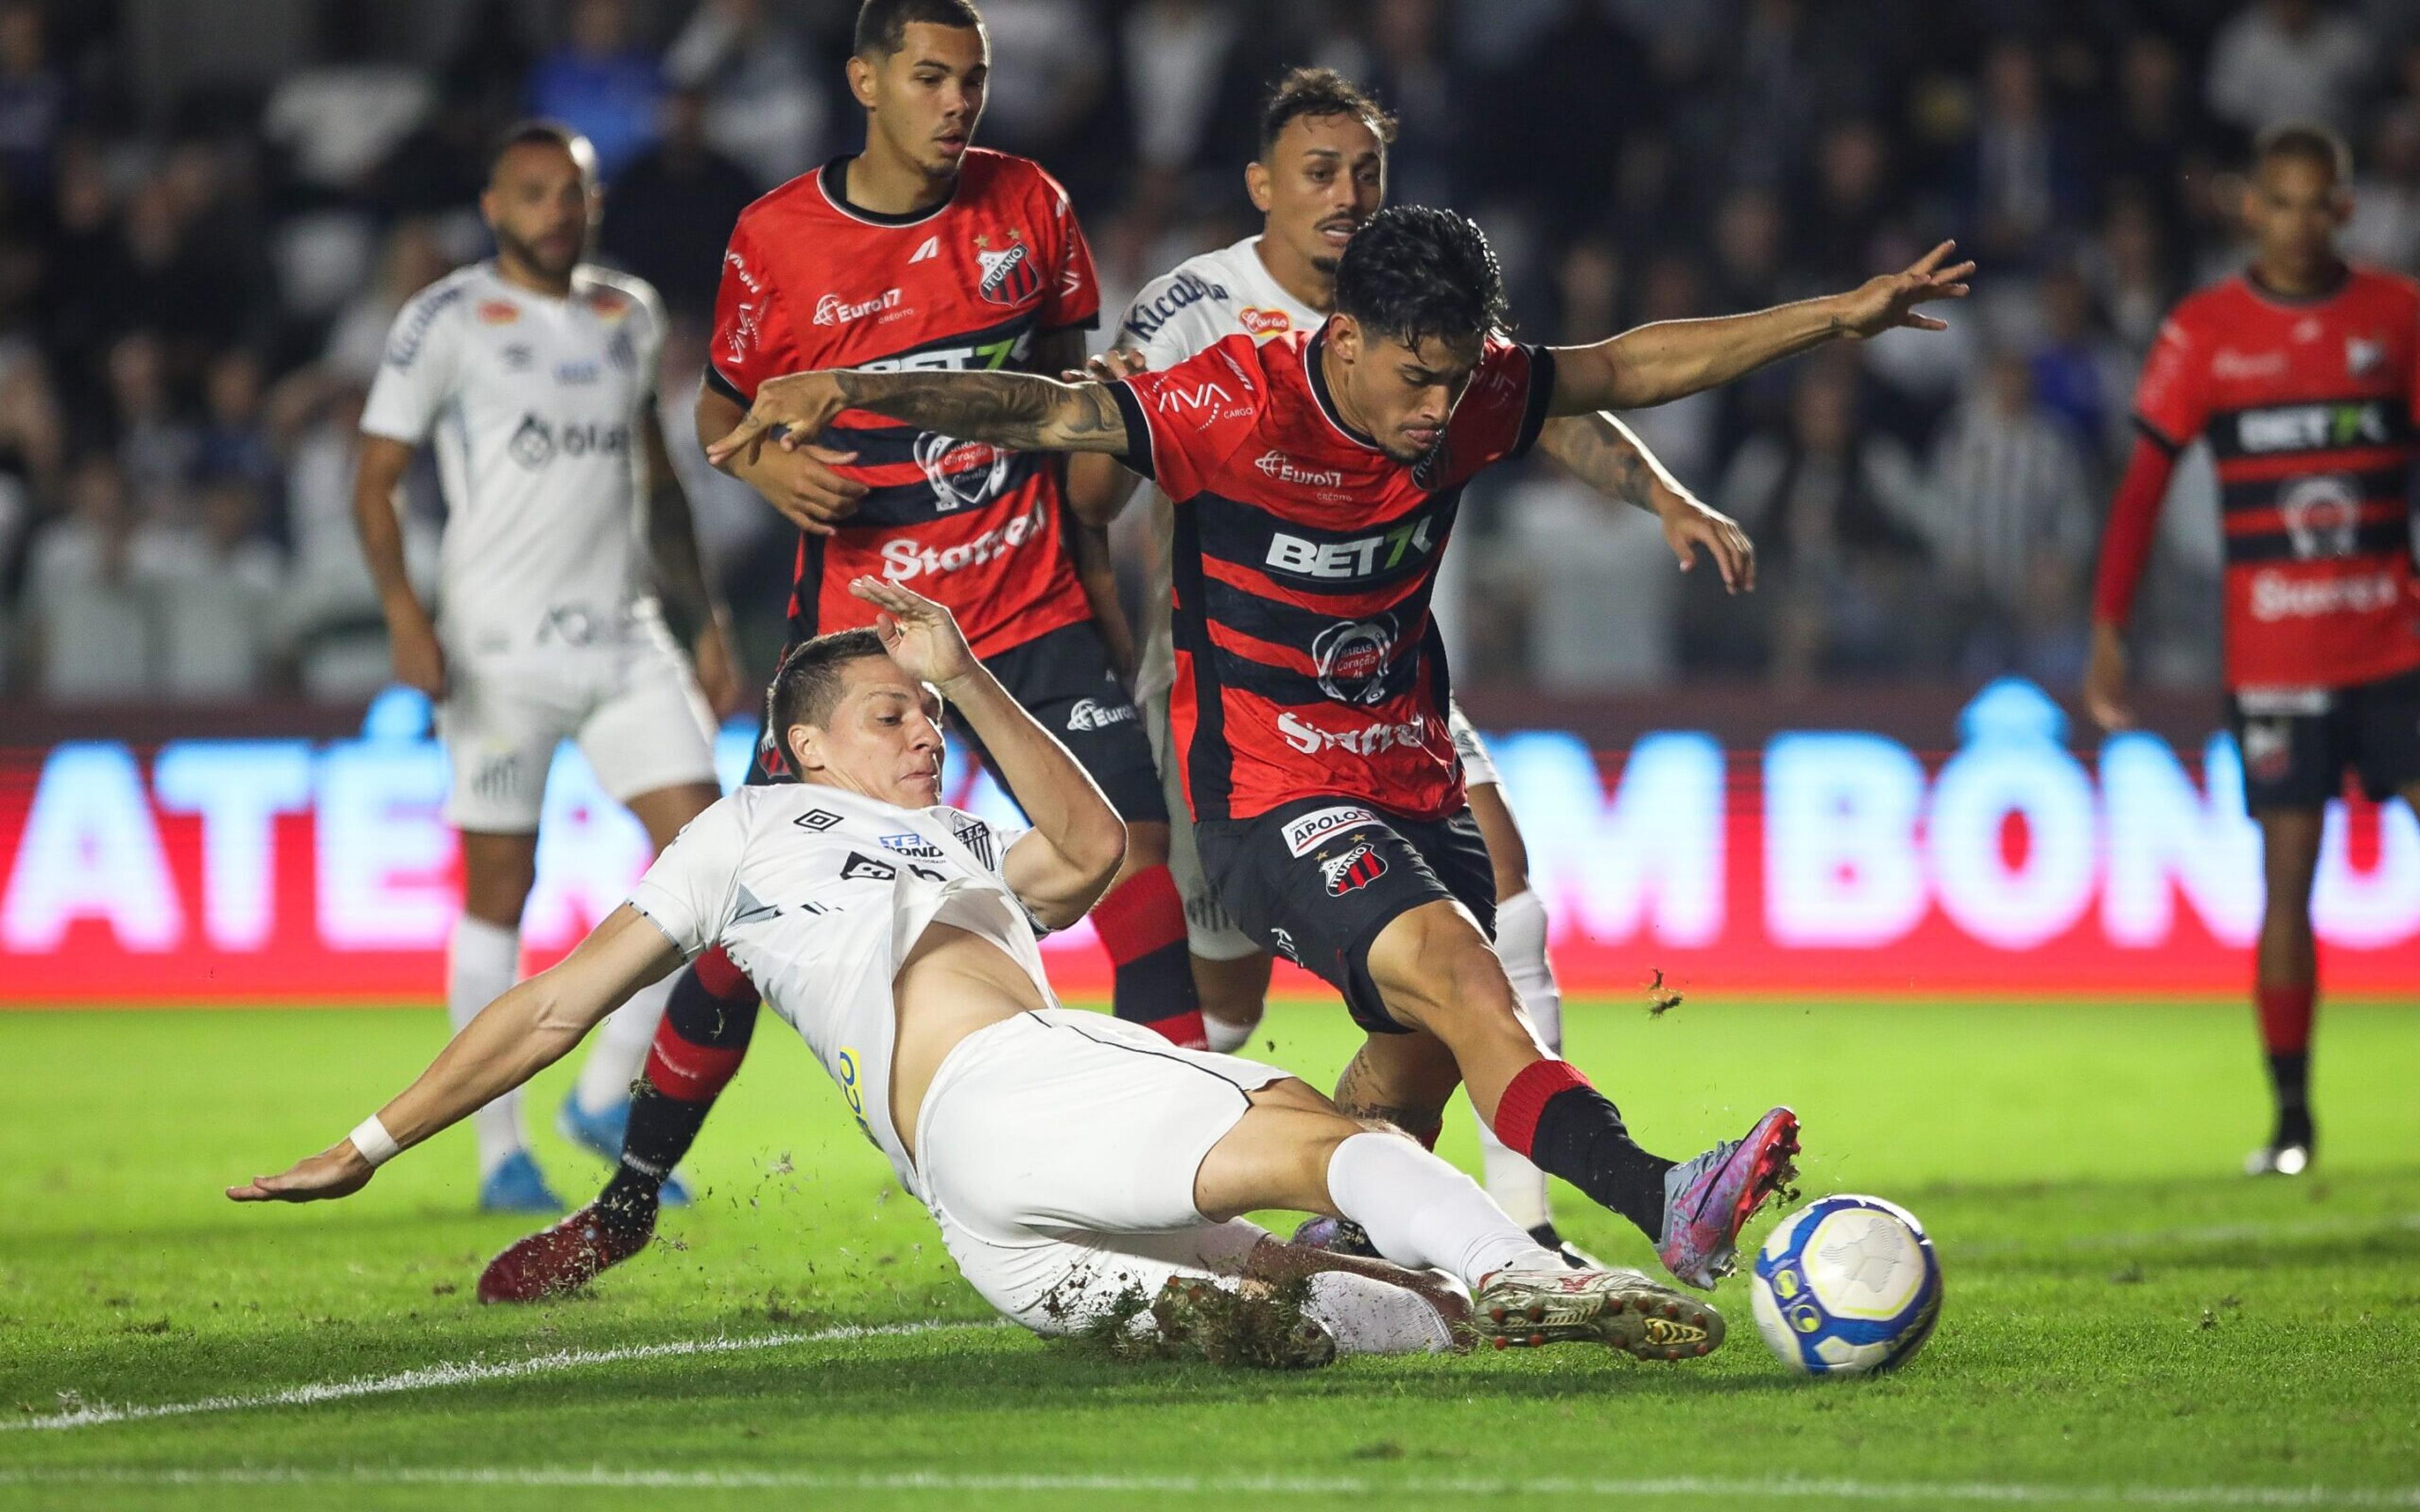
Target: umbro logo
(817, 819)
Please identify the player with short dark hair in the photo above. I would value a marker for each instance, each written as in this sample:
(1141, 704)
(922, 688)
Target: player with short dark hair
(1316, 481)
(921, 253)
(2300, 372)
(1319, 174)
(1072, 1162)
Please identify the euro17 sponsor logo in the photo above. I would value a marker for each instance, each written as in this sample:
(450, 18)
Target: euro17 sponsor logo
(1304, 832)
(1280, 468)
(1098, 714)
(832, 310)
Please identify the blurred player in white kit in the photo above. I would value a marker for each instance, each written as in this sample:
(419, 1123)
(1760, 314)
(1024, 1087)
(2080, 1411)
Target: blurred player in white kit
(1071, 1160)
(534, 377)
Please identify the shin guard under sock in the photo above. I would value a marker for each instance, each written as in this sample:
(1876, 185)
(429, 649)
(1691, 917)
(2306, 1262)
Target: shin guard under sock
(1567, 1128)
(1142, 925)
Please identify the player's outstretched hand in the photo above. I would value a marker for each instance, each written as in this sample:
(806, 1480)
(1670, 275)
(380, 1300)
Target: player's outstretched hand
(921, 636)
(337, 1171)
(1890, 301)
(1689, 524)
(1110, 367)
(803, 403)
(2104, 681)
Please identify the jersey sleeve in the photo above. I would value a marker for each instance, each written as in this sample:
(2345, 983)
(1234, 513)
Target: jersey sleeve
(1073, 298)
(688, 892)
(1504, 409)
(753, 339)
(415, 377)
(1183, 422)
(2171, 401)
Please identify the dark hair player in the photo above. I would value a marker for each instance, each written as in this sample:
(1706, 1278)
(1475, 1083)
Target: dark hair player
(1315, 481)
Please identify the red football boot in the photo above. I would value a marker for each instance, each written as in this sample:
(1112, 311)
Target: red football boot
(559, 1259)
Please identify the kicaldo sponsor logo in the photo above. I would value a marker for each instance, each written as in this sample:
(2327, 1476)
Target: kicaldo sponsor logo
(1367, 740)
(1303, 834)
(832, 310)
(2276, 596)
(905, 560)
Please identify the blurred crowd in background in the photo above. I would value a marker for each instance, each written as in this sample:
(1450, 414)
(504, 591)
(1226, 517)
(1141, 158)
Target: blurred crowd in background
(210, 210)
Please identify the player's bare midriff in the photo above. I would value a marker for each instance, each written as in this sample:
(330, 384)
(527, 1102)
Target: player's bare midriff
(953, 983)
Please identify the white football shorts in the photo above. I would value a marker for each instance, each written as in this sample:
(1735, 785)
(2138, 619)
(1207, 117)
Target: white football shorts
(635, 710)
(1209, 932)
(1058, 1151)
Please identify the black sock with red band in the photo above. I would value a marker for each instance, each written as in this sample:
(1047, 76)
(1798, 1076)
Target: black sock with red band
(1551, 1115)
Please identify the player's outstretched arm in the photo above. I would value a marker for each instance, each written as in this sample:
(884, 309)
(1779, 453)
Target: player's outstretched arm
(1077, 840)
(1672, 359)
(533, 1024)
(1021, 410)
(1604, 453)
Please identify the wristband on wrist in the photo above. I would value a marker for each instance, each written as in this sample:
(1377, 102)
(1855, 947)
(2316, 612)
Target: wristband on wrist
(377, 1146)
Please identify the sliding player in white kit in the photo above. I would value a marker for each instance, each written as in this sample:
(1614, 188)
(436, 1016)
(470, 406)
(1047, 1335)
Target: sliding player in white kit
(1071, 1160)
(1322, 173)
(534, 377)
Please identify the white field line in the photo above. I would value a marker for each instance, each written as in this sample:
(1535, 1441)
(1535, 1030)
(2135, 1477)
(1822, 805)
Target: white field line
(948, 1483)
(464, 1373)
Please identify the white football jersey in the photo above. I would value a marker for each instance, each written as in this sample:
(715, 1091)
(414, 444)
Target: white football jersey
(1203, 302)
(533, 406)
(819, 894)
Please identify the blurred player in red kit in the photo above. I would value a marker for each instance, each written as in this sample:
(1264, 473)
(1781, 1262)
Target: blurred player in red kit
(2300, 373)
(920, 254)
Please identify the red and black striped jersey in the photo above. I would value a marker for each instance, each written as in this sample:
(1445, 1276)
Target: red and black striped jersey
(2309, 408)
(1307, 660)
(813, 281)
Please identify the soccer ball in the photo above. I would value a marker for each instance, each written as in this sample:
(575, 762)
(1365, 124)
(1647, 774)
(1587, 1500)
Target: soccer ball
(1847, 1286)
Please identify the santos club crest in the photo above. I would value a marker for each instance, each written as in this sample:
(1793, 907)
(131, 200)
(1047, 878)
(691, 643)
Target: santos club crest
(1010, 276)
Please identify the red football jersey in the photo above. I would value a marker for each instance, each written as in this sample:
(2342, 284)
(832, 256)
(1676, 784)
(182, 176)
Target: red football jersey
(2310, 406)
(812, 282)
(1307, 660)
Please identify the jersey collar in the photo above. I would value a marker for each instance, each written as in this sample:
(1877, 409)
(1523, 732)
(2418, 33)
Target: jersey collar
(1312, 369)
(832, 179)
(2298, 301)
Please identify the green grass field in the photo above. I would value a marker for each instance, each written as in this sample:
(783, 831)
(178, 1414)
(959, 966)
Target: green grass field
(2127, 1322)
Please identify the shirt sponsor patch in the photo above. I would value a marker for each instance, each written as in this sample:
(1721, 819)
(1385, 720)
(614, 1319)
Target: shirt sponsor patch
(1303, 834)
(912, 844)
(866, 869)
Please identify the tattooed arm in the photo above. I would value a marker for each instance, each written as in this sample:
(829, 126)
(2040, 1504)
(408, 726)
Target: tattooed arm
(1603, 452)
(1013, 409)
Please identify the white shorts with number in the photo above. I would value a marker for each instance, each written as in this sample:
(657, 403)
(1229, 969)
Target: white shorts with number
(635, 710)
(1058, 1152)
(1209, 933)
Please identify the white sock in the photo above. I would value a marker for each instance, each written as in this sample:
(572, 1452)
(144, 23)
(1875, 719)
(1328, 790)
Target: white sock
(482, 962)
(1422, 1213)
(1517, 1186)
(620, 1049)
(1366, 1316)
(1225, 1037)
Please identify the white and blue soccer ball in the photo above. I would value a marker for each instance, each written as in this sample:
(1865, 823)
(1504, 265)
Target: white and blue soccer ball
(1845, 1286)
